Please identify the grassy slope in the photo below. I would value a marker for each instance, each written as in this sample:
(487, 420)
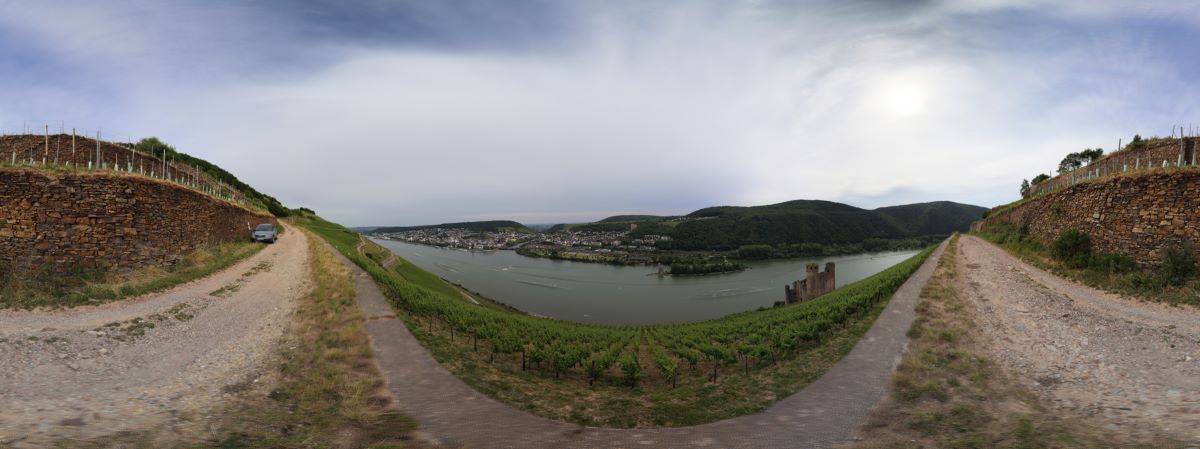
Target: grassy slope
(88, 287)
(947, 392)
(611, 402)
(1146, 286)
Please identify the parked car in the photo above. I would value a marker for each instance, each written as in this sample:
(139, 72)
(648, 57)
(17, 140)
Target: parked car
(265, 232)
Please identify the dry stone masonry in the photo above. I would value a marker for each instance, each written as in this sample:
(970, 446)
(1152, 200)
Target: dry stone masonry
(1156, 153)
(55, 221)
(1137, 215)
(78, 153)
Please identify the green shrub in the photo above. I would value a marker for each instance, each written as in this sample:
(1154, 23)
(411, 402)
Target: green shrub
(1179, 265)
(1113, 263)
(1074, 247)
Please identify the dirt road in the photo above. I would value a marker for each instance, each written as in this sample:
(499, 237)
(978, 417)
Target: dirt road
(1125, 365)
(161, 359)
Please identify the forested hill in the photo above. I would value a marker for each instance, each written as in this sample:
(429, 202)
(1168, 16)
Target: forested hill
(632, 218)
(814, 221)
(481, 226)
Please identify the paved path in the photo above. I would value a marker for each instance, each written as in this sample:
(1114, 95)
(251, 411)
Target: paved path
(823, 414)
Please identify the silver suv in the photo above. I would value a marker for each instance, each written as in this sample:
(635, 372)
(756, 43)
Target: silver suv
(264, 233)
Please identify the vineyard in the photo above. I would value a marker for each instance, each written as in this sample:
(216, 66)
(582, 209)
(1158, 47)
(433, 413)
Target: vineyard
(481, 344)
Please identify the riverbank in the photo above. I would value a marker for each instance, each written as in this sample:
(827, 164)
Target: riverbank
(621, 294)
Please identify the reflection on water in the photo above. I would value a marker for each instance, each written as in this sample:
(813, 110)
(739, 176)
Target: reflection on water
(608, 294)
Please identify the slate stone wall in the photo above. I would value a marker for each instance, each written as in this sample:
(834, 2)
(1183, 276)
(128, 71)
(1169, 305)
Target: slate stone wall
(56, 220)
(1159, 153)
(1137, 215)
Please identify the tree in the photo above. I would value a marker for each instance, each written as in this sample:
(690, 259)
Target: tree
(1075, 160)
(154, 147)
(1090, 155)
(1024, 188)
(1039, 178)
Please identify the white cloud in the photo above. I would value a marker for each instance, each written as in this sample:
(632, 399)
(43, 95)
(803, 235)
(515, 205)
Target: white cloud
(644, 109)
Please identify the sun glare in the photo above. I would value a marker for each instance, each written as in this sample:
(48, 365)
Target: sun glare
(904, 100)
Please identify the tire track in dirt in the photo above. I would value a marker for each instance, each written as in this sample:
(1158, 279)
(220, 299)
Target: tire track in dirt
(1125, 365)
(164, 358)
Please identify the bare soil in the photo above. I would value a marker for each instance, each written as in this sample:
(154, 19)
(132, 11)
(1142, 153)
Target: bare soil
(1124, 365)
(164, 359)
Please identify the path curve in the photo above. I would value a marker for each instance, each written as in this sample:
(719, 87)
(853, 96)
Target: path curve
(827, 412)
(148, 361)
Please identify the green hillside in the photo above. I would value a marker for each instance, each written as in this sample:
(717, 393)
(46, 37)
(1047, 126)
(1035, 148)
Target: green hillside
(814, 221)
(632, 218)
(159, 149)
(480, 226)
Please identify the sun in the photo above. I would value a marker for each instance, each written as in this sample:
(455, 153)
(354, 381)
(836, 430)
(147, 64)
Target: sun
(904, 100)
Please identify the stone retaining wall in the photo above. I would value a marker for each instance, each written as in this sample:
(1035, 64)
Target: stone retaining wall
(1157, 153)
(1137, 215)
(56, 221)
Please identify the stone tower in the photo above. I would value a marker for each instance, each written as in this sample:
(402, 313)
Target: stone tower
(814, 284)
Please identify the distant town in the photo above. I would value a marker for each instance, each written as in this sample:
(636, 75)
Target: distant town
(592, 246)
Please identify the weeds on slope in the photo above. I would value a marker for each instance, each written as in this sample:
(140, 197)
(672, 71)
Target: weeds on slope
(948, 393)
(97, 284)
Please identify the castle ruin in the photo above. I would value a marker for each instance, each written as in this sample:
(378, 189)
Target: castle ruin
(814, 284)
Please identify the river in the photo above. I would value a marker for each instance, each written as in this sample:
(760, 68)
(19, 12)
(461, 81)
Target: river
(611, 294)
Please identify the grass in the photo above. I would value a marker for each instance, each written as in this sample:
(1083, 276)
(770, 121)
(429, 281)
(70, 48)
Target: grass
(326, 392)
(947, 392)
(1140, 284)
(96, 284)
(609, 401)
(412, 273)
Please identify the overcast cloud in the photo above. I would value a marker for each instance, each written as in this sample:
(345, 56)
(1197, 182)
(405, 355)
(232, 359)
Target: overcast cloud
(413, 113)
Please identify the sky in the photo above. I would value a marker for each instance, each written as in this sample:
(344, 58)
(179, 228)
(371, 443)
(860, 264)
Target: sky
(406, 112)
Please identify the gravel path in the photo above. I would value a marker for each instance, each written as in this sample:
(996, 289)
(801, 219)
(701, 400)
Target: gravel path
(147, 361)
(1128, 365)
(825, 413)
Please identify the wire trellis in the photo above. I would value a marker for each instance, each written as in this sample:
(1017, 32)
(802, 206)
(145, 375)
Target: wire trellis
(1180, 150)
(78, 153)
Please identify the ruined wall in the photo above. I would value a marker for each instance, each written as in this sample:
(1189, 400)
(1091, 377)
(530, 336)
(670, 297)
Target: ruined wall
(814, 284)
(1137, 215)
(57, 220)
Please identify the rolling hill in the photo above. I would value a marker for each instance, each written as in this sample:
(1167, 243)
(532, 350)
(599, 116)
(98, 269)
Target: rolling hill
(815, 221)
(480, 226)
(792, 222)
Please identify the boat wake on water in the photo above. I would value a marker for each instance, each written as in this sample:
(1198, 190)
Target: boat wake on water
(541, 284)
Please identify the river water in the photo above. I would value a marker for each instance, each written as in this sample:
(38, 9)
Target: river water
(611, 294)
